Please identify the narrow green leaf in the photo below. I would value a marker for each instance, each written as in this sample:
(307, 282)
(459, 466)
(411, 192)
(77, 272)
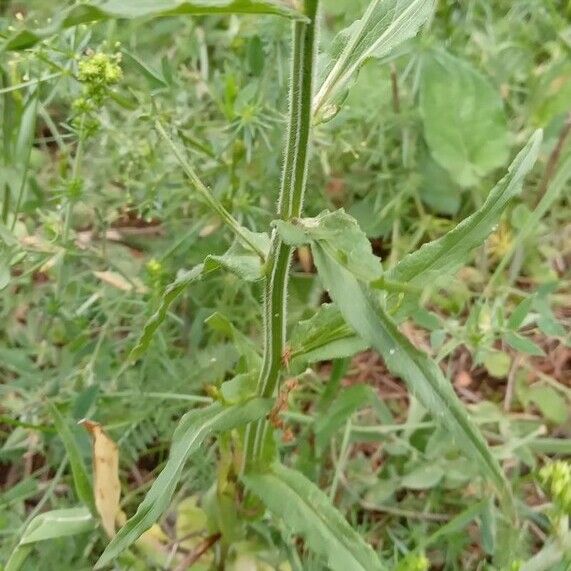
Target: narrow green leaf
(448, 253)
(171, 293)
(307, 511)
(97, 11)
(385, 25)
(50, 525)
(465, 126)
(81, 479)
(237, 260)
(324, 336)
(364, 313)
(193, 429)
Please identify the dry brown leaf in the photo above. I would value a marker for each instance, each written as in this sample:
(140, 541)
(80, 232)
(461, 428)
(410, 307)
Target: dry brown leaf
(118, 281)
(305, 259)
(107, 487)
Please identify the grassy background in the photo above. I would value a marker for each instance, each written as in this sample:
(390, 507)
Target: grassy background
(90, 260)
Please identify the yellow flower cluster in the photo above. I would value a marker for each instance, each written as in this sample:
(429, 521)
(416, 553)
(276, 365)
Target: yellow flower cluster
(101, 69)
(555, 479)
(98, 72)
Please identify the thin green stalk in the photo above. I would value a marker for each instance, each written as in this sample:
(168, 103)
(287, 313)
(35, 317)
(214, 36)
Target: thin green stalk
(292, 191)
(202, 189)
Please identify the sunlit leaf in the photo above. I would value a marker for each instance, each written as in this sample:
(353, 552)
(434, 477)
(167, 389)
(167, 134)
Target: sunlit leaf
(192, 430)
(106, 484)
(307, 511)
(385, 25)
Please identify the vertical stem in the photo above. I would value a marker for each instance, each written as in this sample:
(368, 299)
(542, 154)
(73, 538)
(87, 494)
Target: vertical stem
(292, 191)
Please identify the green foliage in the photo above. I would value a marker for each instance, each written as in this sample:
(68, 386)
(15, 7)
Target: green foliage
(99, 10)
(306, 510)
(385, 25)
(136, 142)
(50, 525)
(190, 433)
(463, 118)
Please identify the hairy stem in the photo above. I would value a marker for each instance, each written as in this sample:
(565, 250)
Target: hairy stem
(290, 205)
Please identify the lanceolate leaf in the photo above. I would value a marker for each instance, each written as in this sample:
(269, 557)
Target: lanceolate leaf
(448, 253)
(191, 432)
(423, 377)
(307, 511)
(384, 26)
(96, 11)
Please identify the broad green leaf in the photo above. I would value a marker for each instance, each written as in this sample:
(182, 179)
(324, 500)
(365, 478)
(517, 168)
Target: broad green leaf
(448, 253)
(96, 11)
(385, 25)
(50, 525)
(237, 260)
(192, 430)
(81, 479)
(551, 403)
(307, 511)
(463, 117)
(424, 378)
(340, 410)
(342, 233)
(324, 336)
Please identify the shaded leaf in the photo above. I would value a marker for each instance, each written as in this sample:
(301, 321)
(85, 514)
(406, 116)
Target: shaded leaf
(96, 11)
(307, 511)
(106, 484)
(385, 25)
(463, 117)
(523, 344)
(192, 430)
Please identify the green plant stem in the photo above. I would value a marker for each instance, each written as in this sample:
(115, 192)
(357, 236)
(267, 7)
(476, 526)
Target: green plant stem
(202, 189)
(292, 191)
